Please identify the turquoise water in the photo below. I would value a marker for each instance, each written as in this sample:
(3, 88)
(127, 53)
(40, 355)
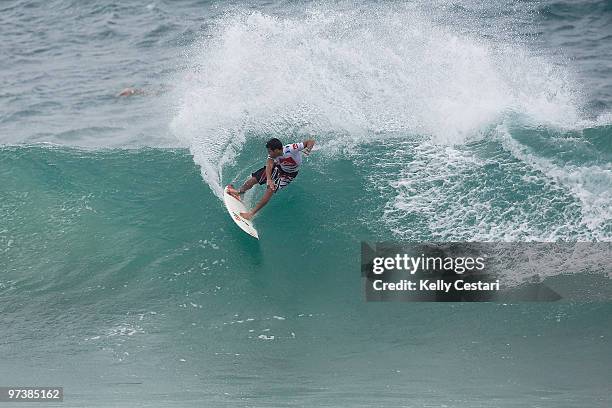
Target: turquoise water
(123, 279)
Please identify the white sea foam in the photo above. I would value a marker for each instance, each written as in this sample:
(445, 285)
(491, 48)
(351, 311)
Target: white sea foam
(449, 193)
(386, 72)
(355, 73)
(457, 193)
(590, 184)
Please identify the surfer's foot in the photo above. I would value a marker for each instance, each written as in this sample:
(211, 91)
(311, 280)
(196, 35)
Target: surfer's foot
(233, 192)
(246, 215)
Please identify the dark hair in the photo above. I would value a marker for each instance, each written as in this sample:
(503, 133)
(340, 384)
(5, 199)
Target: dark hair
(274, 144)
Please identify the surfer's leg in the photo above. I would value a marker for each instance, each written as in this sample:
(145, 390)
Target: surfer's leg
(251, 181)
(248, 184)
(264, 200)
(257, 177)
(283, 181)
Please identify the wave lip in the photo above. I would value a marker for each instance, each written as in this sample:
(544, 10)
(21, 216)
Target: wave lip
(355, 74)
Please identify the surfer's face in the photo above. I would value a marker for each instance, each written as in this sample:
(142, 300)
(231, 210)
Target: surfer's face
(275, 153)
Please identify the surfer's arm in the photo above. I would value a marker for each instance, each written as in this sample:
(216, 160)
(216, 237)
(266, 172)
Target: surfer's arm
(308, 145)
(269, 166)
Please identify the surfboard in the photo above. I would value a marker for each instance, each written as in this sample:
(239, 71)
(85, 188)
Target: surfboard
(234, 208)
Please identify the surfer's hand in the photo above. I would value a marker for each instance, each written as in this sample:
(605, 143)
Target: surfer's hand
(271, 185)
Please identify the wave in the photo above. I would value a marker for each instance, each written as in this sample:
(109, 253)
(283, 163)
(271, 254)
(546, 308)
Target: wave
(356, 74)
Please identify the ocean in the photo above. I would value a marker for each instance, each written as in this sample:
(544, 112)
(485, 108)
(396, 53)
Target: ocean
(124, 280)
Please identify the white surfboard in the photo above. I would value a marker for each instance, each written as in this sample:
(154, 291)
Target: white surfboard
(235, 207)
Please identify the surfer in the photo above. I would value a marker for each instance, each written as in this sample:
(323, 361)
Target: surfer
(145, 92)
(280, 170)
(131, 92)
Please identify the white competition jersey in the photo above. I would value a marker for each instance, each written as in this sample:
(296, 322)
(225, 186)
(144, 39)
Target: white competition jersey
(291, 158)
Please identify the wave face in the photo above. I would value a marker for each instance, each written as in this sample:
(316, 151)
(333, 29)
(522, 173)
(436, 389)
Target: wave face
(122, 276)
(447, 104)
(121, 265)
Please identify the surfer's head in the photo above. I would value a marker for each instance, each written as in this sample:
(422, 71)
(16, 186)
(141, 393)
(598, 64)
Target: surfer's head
(275, 147)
